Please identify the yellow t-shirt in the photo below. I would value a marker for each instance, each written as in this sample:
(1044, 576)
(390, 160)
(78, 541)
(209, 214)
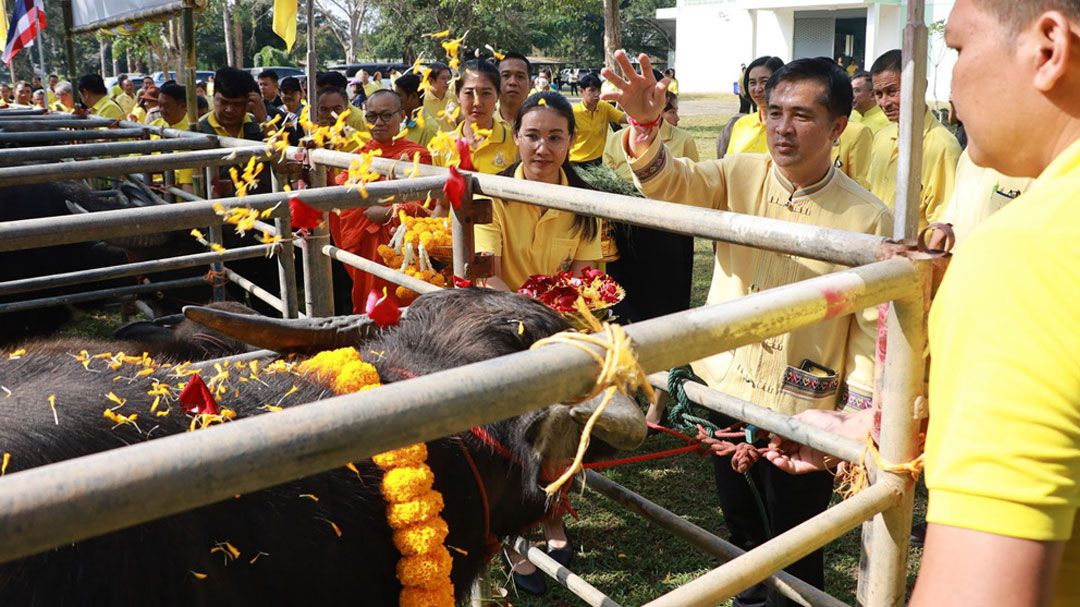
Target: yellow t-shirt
(874, 118)
(139, 113)
(531, 240)
(1003, 446)
(442, 109)
(979, 193)
(591, 130)
(768, 373)
(107, 108)
(673, 86)
(679, 142)
(183, 176)
(212, 120)
(748, 135)
(422, 128)
(493, 155)
(941, 152)
(125, 101)
(851, 153)
(371, 87)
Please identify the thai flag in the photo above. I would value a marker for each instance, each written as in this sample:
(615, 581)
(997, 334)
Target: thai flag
(27, 19)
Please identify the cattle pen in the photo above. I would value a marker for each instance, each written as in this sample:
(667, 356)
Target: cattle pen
(68, 501)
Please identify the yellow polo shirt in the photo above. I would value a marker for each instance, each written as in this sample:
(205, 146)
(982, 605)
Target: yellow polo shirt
(442, 110)
(533, 240)
(107, 108)
(1003, 446)
(493, 155)
(679, 142)
(851, 153)
(874, 118)
(979, 193)
(422, 128)
(138, 113)
(125, 101)
(748, 135)
(591, 130)
(770, 373)
(183, 176)
(211, 119)
(371, 87)
(941, 152)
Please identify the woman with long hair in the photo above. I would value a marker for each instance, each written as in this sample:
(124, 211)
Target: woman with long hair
(490, 142)
(748, 135)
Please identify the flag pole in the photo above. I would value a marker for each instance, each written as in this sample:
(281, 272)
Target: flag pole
(312, 60)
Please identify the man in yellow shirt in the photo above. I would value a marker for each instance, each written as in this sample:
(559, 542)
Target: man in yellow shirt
(825, 366)
(514, 71)
(126, 97)
(238, 111)
(172, 105)
(65, 97)
(419, 126)
(866, 110)
(593, 119)
(94, 95)
(1005, 327)
(941, 151)
(438, 100)
(852, 152)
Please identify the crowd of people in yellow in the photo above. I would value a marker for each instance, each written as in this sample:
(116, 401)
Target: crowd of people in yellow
(819, 146)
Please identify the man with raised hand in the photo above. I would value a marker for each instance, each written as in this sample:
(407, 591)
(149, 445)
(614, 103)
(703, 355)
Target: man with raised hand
(824, 366)
(1005, 327)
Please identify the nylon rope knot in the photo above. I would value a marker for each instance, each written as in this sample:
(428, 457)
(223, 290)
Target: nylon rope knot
(620, 371)
(854, 478)
(216, 279)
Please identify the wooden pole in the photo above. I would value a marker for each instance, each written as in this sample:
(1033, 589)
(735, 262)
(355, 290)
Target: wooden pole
(188, 23)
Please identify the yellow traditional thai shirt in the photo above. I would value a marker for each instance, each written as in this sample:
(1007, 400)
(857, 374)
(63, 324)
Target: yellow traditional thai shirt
(979, 193)
(679, 142)
(533, 240)
(107, 108)
(591, 128)
(1005, 362)
(493, 155)
(827, 365)
(748, 135)
(874, 118)
(852, 150)
(443, 110)
(941, 152)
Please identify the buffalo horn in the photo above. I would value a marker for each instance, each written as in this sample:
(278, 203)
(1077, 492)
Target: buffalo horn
(286, 335)
(621, 425)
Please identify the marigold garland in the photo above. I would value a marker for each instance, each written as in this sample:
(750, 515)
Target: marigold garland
(413, 507)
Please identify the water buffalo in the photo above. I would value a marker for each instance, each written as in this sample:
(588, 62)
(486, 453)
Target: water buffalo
(290, 552)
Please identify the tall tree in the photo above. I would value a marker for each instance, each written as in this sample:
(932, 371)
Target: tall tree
(345, 20)
(612, 32)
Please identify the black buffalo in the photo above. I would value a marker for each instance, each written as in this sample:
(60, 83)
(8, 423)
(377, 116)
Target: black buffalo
(290, 553)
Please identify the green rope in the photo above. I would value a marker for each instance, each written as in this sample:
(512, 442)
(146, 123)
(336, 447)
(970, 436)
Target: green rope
(683, 416)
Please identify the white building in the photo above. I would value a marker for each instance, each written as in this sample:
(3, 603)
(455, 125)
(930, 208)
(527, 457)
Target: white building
(713, 37)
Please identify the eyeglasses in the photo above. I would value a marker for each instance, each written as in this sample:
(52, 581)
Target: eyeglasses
(372, 117)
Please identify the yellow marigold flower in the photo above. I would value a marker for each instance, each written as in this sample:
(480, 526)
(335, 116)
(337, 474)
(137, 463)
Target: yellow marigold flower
(406, 483)
(17, 354)
(356, 376)
(415, 511)
(421, 538)
(425, 569)
(413, 455)
(4, 463)
(439, 595)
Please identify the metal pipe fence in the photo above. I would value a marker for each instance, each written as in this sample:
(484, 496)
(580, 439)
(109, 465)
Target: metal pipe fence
(90, 150)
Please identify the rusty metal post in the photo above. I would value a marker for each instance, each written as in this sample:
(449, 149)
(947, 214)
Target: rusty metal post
(318, 273)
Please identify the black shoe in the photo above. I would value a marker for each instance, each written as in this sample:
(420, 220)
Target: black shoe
(918, 535)
(533, 583)
(562, 555)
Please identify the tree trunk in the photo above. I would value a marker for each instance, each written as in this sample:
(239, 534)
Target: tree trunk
(101, 54)
(238, 42)
(612, 33)
(127, 59)
(229, 54)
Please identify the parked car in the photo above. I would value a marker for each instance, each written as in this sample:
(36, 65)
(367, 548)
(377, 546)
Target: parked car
(161, 77)
(137, 77)
(281, 71)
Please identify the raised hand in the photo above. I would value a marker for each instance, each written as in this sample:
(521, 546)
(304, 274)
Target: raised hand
(639, 94)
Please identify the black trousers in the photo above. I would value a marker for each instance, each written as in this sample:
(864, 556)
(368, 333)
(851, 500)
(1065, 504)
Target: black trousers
(745, 104)
(656, 268)
(788, 499)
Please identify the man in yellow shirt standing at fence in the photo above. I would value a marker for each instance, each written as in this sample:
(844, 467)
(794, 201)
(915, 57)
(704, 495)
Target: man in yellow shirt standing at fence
(94, 94)
(593, 118)
(940, 148)
(1003, 445)
(824, 366)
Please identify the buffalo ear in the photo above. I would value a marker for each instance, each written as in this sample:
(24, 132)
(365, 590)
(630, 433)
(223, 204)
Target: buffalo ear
(304, 335)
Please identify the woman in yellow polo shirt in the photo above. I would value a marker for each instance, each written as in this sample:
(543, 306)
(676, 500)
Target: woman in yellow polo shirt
(526, 240)
(748, 134)
(490, 142)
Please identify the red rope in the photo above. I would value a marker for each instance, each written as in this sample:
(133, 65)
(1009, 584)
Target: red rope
(491, 543)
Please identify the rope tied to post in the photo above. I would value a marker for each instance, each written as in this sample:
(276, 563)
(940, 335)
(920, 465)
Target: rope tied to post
(620, 371)
(216, 279)
(853, 478)
(681, 414)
